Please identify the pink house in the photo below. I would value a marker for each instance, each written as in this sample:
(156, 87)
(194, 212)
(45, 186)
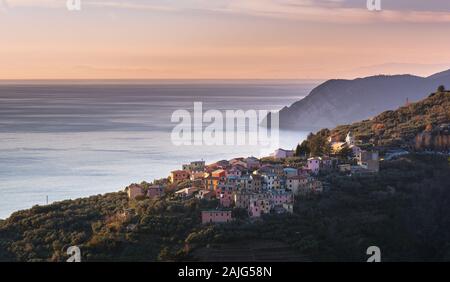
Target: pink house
(314, 165)
(259, 204)
(216, 216)
(226, 199)
(238, 161)
(279, 198)
(225, 194)
(234, 171)
(252, 163)
(134, 190)
(255, 210)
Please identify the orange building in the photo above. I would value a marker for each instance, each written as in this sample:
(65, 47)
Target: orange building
(219, 173)
(216, 216)
(178, 176)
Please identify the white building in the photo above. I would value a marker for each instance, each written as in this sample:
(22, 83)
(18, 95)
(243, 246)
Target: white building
(349, 139)
(282, 154)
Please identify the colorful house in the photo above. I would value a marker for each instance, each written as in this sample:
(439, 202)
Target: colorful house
(219, 173)
(238, 161)
(278, 169)
(313, 165)
(256, 182)
(187, 192)
(242, 199)
(279, 197)
(259, 204)
(178, 176)
(216, 216)
(282, 154)
(196, 166)
(296, 183)
(225, 193)
(290, 171)
(155, 191)
(235, 171)
(197, 175)
(134, 190)
(223, 164)
(252, 163)
(271, 181)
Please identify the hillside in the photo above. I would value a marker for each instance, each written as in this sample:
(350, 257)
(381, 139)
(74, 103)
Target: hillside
(342, 101)
(405, 210)
(417, 125)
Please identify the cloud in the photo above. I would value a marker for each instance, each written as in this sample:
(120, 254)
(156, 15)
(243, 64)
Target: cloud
(337, 11)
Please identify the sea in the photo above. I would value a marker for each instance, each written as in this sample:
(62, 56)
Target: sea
(70, 139)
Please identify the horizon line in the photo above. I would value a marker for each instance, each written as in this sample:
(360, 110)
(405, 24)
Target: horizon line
(154, 80)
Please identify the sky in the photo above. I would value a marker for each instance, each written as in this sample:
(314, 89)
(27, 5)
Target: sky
(222, 39)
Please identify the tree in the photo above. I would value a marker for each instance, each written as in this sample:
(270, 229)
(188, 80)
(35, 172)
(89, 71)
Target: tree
(239, 213)
(441, 88)
(302, 149)
(318, 144)
(345, 152)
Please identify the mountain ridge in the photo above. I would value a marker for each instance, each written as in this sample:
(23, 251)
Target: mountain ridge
(344, 101)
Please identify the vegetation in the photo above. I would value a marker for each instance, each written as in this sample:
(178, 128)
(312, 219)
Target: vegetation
(403, 126)
(315, 144)
(302, 149)
(405, 210)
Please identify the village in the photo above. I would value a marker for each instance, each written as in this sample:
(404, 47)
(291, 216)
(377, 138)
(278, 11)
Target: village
(258, 186)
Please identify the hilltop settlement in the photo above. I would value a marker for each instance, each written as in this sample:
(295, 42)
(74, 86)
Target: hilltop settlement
(258, 186)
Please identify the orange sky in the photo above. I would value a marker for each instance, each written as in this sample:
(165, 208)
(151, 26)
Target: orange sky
(217, 39)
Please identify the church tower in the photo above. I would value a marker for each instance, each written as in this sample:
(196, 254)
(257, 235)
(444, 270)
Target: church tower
(350, 140)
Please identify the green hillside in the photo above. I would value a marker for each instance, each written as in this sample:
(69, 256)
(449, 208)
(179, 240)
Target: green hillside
(402, 126)
(404, 209)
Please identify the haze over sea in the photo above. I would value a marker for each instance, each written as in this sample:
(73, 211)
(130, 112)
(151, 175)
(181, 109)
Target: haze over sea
(67, 140)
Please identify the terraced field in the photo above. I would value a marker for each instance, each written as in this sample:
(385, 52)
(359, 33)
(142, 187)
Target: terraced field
(248, 251)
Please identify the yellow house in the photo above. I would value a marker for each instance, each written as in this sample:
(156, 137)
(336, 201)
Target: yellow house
(177, 176)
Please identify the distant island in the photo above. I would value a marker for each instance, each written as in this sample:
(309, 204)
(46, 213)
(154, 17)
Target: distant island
(340, 101)
(378, 182)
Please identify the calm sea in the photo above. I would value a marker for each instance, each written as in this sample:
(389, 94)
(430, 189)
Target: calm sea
(65, 141)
